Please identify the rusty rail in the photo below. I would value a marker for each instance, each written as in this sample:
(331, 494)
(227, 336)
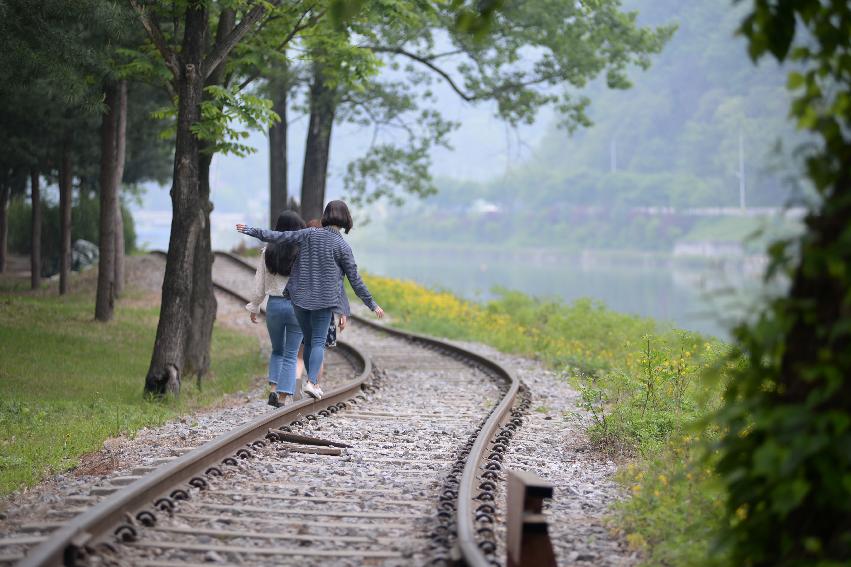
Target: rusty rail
(64, 546)
(70, 542)
(472, 551)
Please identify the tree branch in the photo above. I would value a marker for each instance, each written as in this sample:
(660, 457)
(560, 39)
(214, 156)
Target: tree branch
(446, 54)
(222, 48)
(299, 26)
(156, 36)
(427, 62)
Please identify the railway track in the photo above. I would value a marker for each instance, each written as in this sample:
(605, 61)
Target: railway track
(399, 466)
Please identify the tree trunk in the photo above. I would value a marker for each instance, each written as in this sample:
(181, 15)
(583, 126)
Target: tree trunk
(35, 249)
(65, 182)
(105, 297)
(203, 303)
(167, 359)
(278, 154)
(5, 190)
(316, 152)
(120, 159)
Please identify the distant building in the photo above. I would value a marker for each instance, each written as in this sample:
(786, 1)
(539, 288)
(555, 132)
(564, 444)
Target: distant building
(709, 249)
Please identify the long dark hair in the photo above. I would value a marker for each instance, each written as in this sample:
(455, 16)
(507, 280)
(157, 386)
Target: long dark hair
(279, 256)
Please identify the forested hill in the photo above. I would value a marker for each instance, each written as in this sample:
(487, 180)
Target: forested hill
(672, 140)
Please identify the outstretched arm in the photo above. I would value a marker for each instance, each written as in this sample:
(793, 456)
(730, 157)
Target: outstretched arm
(259, 292)
(347, 264)
(290, 237)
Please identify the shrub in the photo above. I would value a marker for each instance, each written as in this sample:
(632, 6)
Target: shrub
(85, 222)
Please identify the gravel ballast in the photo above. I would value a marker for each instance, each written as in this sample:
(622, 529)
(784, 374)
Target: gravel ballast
(551, 443)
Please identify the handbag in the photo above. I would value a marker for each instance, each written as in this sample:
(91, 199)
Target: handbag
(331, 337)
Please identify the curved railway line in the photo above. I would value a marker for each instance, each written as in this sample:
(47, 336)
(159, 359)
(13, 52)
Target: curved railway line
(387, 469)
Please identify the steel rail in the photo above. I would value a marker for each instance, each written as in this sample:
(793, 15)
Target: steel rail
(471, 553)
(64, 546)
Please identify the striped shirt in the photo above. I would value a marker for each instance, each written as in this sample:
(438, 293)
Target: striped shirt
(317, 275)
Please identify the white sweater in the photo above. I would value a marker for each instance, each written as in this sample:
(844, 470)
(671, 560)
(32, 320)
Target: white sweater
(265, 283)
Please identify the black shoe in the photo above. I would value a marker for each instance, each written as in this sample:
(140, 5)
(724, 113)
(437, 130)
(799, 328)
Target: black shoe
(273, 400)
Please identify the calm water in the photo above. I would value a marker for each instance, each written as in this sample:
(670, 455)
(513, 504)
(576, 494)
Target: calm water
(690, 298)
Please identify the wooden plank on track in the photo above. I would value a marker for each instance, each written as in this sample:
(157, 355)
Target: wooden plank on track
(273, 496)
(162, 563)
(306, 552)
(21, 540)
(328, 488)
(301, 523)
(284, 512)
(41, 526)
(195, 530)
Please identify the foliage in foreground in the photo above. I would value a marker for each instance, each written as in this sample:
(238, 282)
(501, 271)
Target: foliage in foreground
(68, 383)
(785, 452)
(642, 386)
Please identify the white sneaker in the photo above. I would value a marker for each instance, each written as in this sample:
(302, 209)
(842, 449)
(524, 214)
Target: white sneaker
(312, 390)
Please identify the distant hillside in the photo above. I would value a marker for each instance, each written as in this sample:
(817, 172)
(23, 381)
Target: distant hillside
(670, 141)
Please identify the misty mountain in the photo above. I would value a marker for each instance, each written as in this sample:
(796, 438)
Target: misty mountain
(672, 140)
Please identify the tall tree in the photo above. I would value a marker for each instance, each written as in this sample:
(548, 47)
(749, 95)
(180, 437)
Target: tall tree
(48, 108)
(66, 181)
(280, 84)
(35, 249)
(204, 305)
(786, 422)
(12, 183)
(5, 191)
(105, 295)
(323, 107)
(120, 162)
(189, 69)
(535, 54)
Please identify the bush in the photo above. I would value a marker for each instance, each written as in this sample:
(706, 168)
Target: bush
(644, 387)
(676, 504)
(85, 224)
(658, 393)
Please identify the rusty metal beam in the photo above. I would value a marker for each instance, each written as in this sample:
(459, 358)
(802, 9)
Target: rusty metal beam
(528, 540)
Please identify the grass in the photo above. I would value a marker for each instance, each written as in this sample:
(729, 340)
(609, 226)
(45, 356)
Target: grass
(754, 232)
(68, 383)
(647, 388)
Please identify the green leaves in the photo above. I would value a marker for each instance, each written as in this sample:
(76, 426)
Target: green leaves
(790, 407)
(222, 110)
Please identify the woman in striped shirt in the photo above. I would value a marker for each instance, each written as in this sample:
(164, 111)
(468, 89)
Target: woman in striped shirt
(314, 283)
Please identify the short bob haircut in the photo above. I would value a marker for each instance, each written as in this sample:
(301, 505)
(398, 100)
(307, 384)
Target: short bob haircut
(337, 214)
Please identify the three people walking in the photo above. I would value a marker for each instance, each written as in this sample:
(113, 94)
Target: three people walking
(314, 289)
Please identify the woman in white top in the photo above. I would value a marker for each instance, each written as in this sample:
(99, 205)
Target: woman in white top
(273, 272)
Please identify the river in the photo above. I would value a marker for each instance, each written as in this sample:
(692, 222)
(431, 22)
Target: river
(700, 297)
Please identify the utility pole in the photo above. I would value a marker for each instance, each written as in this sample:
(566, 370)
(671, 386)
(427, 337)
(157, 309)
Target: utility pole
(741, 170)
(613, 156)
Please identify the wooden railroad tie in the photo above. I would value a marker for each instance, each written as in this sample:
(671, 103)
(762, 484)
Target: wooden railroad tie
(305, 440)
(295, 448)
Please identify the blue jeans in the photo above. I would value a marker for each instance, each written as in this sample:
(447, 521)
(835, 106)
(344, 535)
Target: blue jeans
(285, 334)
(314, 324)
